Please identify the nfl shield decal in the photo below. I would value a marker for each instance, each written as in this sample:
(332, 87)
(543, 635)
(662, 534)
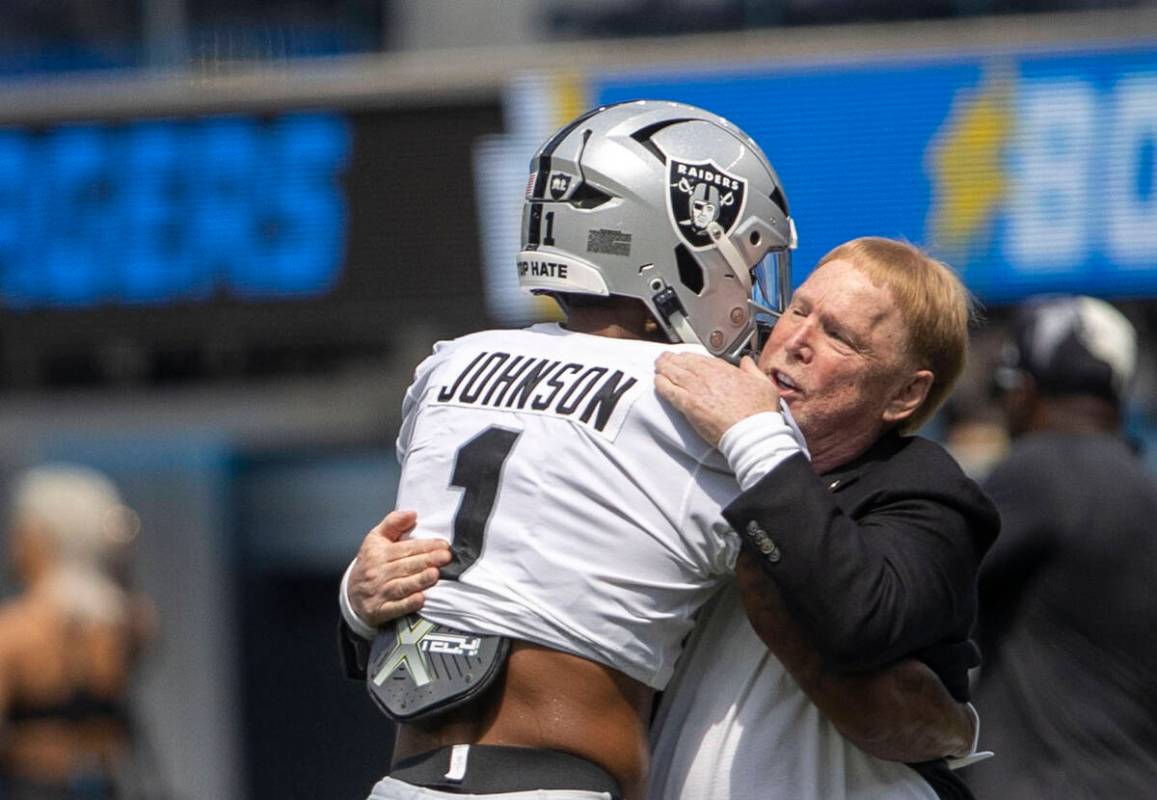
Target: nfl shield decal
(559, 183)
(701, 193)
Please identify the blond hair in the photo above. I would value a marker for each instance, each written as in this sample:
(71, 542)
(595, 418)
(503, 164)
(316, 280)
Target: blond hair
(934, 304)
(79, 513)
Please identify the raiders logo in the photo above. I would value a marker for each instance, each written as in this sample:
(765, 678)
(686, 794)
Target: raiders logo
(702, 193)
(559, 183)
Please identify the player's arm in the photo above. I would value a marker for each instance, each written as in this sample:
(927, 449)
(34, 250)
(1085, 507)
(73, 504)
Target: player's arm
(901, 713)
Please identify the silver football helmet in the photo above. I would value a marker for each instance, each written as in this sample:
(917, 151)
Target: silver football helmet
(666, 203)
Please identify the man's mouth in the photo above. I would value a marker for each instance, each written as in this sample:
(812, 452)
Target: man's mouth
(784, 382)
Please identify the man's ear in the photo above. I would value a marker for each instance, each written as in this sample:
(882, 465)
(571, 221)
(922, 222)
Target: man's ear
(908, 396)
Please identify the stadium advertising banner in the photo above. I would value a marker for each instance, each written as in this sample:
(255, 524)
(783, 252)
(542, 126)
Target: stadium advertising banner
(159, 248)
(162, 211)
(1028, 171)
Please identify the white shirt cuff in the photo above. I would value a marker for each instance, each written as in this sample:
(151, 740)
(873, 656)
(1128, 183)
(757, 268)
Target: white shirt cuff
(356, 623)
(758, 444)
(974, 755)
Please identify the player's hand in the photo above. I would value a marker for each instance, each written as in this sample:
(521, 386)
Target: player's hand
(712, 394)
(390, 573)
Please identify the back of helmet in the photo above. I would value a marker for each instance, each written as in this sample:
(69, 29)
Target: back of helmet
(665, 203)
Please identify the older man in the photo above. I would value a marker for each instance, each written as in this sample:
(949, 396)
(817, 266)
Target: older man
(873, 545)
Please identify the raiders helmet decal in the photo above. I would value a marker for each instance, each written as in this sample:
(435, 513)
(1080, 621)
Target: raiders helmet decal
(702, 193)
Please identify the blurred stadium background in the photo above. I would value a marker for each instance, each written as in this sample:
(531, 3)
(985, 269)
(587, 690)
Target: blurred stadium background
(229, 230)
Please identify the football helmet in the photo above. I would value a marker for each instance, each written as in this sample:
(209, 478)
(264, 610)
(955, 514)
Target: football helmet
(667, 203)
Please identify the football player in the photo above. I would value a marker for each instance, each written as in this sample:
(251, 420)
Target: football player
(584, 514)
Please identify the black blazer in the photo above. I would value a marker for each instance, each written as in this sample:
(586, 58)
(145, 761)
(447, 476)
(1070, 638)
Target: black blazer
(876, 560)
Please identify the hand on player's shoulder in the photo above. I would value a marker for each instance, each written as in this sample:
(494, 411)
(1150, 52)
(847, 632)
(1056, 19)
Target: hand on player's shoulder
(711, 393)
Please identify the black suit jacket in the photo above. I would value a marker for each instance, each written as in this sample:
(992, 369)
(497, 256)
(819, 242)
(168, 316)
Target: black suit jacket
(877, 560)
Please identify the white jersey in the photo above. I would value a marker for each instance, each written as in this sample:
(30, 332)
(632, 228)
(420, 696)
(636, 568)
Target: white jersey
(584, 513)
(734, 723)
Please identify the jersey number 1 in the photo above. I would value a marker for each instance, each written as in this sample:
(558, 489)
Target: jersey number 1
(477, 471)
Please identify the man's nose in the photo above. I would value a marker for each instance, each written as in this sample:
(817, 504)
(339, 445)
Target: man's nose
(798, 344)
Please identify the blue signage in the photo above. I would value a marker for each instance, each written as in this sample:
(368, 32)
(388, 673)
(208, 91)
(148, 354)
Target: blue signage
(172, 211)
(1028, 172)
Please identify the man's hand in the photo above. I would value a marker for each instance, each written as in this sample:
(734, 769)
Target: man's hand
(712, 394)
(390, 573)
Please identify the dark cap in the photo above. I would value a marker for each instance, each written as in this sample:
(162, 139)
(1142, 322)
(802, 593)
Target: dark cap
(1071, 345)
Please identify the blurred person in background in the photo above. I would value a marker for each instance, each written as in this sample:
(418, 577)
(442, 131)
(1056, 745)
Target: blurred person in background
(1068, 690)
(974, 429)
(69, 640)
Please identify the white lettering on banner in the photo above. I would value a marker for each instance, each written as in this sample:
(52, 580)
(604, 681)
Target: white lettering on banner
(1050, 202)
(1130, 144)
(1083, 175)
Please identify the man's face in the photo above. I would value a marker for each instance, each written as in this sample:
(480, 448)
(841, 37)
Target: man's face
(837, 355)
